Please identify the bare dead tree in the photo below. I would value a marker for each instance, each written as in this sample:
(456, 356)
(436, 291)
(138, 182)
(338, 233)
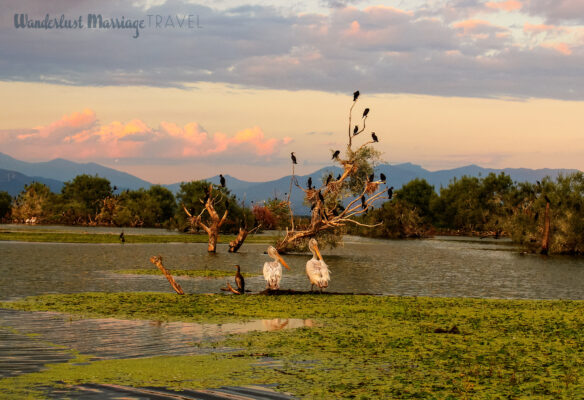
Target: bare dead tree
(327, 213)
(157, 260)
(213, 223)
(235, 244)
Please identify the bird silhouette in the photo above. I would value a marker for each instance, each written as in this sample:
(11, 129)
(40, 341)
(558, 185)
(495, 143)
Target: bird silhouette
(374, 137)
(365, 112)
(371, 177)
(293, 157)
(338, 177)
(329, 178)
(336, 154)
(390, 192)
(309, 183)
(222, 180)
(355, 130)
(320, 196)
(122, 237)
(363, 205)
(382, 177)
(355, 95)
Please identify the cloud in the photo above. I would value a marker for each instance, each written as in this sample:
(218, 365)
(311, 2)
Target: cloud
(79, 136)
(557, 10)
(451, 48)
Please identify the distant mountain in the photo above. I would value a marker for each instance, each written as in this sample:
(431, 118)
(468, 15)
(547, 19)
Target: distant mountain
(13, 182)
(57, 171)
(64, 170)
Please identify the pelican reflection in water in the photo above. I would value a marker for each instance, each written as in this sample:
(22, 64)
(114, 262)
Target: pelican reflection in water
(273, 269)
(316, 269)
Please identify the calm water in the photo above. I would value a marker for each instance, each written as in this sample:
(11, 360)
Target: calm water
(449, 267)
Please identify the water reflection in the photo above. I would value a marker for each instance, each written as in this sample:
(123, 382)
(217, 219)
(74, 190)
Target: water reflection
(449, 267)
(30, 340)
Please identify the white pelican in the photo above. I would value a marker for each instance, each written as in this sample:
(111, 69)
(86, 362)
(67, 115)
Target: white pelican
(316, 269)
(273, 269)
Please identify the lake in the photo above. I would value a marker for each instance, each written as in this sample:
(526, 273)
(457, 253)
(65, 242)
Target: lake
(442, 266)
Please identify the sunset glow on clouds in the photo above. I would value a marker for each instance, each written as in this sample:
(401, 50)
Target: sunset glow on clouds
(81, 135)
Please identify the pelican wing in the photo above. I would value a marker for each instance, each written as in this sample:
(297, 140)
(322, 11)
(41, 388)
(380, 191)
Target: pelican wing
(318, 273)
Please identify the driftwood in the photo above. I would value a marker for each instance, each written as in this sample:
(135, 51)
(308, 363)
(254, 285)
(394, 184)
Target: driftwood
(234, 245)
(157, 260)
(230, 288)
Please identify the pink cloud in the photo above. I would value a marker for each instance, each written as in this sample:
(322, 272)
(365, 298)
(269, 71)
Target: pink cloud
(509, 5)
(529, 28)
(560, 47)
(79, 136)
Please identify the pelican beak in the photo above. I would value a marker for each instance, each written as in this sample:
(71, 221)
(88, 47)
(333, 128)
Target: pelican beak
(318, 253)
(283, 262)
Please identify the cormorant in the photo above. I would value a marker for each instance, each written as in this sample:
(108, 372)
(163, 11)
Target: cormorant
(293, 157)
(390, 192)
(122, 237)
(365, 112)
(239, 281)
(336, 154)
(363, 206)
(355, 130)
(222, 180)
(374, 137)
(338, 177)
(309, 182)
(329, 178)
(355, 95)
(371, 177)
(320, 196)
(382, 177)
(115, 188)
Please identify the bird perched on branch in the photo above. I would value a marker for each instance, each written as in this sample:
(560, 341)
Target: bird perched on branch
(222, 180)
(338, 177)
(371, 177)
(382, 177)
(336, 154)
(293, 157)
(355, 130)
(316, 269)
(309, 182)
(374, 137)
(363, 205)
(329, 178)
(355, 95)
(239, 281)
(365, 112)
(390, 192)
(273, 269)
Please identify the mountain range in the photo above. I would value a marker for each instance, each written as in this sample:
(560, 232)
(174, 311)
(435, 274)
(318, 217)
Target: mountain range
(15, 174)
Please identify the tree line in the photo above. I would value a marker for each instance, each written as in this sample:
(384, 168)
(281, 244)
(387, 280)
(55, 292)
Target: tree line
(482, 206)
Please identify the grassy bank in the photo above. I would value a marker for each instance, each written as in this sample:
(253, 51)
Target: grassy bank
(67, 237)
(360, 346)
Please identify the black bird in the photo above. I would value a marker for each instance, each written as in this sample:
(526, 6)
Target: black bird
(365, 112)
(355, 95)
(122, 237)
(338, 177)
(371, 177)
(374, 137)
(320, 196)
(336, 154)
(390, 193)
(363, 206)
(355, 130)
(335, 212)
(115, 188)
(293, 157)
(309, 183)
(226, 204)
(239, 281)
(382, 177)
(547, 199)
(340, 207)
(329, 178)
(222, 180)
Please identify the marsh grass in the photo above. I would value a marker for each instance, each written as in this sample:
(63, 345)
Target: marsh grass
(191, 273)
(360, 346)
(68, 237)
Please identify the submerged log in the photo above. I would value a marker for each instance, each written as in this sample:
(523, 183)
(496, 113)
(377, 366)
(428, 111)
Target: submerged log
(545, 242)
(157, 260)
(234, 245)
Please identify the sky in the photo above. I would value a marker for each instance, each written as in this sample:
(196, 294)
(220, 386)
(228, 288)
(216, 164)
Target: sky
(233, 87)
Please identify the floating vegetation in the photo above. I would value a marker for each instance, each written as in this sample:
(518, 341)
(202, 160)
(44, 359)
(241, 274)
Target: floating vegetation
(359, 346)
